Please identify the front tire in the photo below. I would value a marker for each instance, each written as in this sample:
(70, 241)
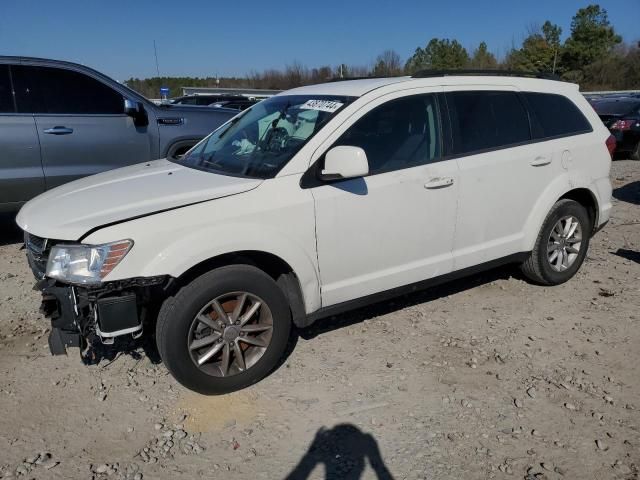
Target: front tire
(561, 245)
(225, 330)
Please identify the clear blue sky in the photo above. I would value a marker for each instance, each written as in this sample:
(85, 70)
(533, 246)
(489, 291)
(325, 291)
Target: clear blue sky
(209, 37)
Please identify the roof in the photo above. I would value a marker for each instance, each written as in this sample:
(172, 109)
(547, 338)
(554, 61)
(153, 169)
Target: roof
(357, 88)
(350, 88)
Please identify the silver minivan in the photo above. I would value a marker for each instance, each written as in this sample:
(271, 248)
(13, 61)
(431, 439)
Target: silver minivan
(60, 121)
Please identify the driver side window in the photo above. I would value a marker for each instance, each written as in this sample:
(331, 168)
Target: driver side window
(401, 133)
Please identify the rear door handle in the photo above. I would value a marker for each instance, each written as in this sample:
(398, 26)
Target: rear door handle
(439, 182)
(540, 162)
(59, 131)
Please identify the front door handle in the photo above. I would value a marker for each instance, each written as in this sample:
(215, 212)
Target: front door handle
(540, 162)
(439, 182)
(59, 131)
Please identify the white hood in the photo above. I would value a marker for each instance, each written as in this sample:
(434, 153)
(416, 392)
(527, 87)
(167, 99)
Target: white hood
(71, 210)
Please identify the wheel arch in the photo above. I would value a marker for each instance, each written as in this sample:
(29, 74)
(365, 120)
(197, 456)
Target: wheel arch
(274, 266)
(587, 199)
(561, 188)
(176, 145)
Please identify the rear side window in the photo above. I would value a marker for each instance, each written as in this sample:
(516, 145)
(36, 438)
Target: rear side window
(483, 120)
(61, 91)
(401, 133)
(556, 115)
(6, 96)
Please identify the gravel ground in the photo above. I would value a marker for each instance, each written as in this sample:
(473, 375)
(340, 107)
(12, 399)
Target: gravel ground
(487, 377)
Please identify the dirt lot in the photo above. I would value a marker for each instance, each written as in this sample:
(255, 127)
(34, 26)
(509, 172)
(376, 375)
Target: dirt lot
(488, 377)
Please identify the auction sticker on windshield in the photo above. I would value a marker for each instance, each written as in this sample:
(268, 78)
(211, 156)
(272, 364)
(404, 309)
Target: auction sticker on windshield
(322, 105)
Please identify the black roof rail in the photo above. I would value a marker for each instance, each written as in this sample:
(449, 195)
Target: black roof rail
(346, 79)
(500, 73)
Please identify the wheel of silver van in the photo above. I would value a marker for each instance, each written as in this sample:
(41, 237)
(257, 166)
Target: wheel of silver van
(561, 245)
(230, 334)
(225, 330)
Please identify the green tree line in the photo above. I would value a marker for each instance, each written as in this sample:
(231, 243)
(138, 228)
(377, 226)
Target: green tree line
(593, 55)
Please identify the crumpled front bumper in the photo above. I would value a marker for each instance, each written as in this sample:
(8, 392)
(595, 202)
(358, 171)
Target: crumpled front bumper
(82, 316)
(59, 304)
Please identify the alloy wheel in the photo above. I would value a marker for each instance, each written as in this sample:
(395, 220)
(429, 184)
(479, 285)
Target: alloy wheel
(564, 243)
(230, 334)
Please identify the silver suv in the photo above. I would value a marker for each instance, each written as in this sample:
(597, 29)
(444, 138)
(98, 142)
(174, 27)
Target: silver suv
(60, 121)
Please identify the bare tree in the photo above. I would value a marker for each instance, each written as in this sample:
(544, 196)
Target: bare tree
(296, 74)
(387, 64)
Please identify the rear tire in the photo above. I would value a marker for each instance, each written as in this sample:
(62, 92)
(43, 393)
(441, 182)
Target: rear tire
(234, 354)
(561, 245)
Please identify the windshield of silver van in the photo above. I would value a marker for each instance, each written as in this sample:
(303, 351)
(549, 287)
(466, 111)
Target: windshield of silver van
(261, 140)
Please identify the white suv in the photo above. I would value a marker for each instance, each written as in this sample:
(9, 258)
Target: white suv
(316, 201)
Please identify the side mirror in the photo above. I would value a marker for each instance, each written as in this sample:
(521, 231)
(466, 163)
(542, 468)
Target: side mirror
(345, 162)
(136, 111)
(130, 107)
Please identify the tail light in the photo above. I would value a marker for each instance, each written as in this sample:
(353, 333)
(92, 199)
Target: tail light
(622, 124)
(611, 144)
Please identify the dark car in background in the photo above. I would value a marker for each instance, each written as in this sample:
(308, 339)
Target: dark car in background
(199, 100)
(60, 121)
(234, 102)
(237, 104)
(621, 115)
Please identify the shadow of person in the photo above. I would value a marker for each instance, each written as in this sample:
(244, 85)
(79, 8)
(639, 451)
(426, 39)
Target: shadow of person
(343, 450)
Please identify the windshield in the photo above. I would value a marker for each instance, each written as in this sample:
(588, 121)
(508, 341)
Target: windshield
(261, 140)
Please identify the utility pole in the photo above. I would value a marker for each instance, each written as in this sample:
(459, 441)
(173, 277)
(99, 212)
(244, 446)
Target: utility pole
(155, 52)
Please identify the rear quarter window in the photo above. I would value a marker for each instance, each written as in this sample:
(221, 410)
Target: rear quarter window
(555, 116)
(486, 120)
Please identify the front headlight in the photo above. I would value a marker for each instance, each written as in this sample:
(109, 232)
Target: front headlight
(85, 264)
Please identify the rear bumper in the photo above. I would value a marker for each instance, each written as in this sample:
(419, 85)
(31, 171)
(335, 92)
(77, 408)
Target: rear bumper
(603, 189)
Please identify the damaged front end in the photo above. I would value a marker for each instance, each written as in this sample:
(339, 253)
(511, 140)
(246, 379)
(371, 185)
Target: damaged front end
(91, 316)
